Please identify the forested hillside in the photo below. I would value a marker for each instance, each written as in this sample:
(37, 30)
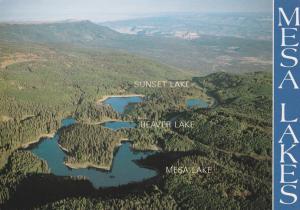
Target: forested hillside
(96, 150)
(238, 154)
(41, 85)
(52, 71)
(201, 56)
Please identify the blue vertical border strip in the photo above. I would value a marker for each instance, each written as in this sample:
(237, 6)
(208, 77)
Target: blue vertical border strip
(284, 192)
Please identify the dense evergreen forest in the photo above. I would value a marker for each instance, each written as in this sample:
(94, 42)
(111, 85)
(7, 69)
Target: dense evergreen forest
(20, 165)
(40, 85)
(45, 82)
(90, 145)
(239, 153)
(160, 103)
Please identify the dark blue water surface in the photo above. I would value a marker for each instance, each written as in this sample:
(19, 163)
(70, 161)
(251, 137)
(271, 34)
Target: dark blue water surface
(196, 103)
(123, 170)
(119, 103)
(115, 125)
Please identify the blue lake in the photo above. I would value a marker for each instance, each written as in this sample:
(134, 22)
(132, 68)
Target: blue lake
(115, 125)
(196, 103)
(124, 170)
(119, 104)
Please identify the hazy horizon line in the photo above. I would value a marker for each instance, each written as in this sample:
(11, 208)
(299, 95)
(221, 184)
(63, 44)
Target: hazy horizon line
(135, 16)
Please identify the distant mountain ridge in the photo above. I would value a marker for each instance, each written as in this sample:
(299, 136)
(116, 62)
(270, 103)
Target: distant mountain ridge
(66, 32)
(242, 25)
(204, 55)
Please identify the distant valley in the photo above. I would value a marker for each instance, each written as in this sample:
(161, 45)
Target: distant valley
(192, 26)
(199, 55)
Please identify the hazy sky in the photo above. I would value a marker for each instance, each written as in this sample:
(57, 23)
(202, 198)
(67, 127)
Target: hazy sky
(103, 10)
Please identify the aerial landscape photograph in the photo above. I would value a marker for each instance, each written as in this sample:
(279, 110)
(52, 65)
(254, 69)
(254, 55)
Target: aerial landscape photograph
(136, 104)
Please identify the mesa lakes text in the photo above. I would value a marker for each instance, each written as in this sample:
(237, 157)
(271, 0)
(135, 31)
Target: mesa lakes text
(289, 28)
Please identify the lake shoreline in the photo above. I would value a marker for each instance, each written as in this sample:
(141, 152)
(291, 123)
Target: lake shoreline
(103, 121)
(38, 139)
(63, 148)
(87, 164)
(104, 98)
(70, 162)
